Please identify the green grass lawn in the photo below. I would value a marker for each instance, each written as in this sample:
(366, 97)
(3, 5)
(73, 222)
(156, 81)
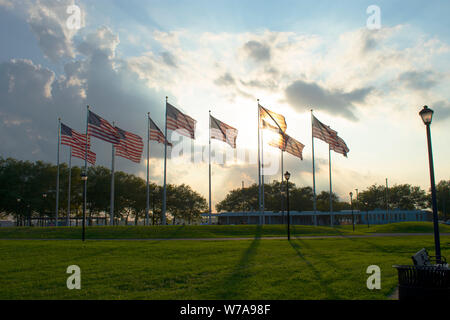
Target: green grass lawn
(245, 231)
(247, 269)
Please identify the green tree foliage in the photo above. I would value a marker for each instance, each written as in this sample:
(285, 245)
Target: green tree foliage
(34, 184)
(443, 198)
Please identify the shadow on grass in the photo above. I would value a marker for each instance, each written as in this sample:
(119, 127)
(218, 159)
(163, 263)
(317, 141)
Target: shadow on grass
(324, 284)
(234, 284)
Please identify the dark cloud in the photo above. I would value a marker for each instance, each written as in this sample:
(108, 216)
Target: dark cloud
(306, 95)
(225, 80)
(258, 51)
(418, 80)
(441, 111)
(169, 59)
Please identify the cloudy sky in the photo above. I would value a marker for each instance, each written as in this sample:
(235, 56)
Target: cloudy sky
(127, 56)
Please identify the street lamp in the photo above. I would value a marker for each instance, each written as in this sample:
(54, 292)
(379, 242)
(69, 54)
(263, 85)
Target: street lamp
(353, 215)
(287, 175)
(18, 209)
(427, 116)
(84, 179)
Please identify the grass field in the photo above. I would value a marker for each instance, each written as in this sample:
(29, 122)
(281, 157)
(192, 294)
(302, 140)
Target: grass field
(247, 269)
(242, 269)
(202, 232)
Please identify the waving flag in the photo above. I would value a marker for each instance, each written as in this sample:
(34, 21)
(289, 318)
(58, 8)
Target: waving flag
(284, 142)
(176, 120)
(156, 134)
(101, 129)
(223, 132)
(71, 138)
(340, 147)
(78, 152)
(323, 132)
(272, 118)
(130, 145)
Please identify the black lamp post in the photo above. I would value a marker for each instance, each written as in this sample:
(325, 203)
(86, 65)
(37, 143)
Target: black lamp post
(18, 211)
(353, 215)
(84, 179)
(427, 116)
(287, 175)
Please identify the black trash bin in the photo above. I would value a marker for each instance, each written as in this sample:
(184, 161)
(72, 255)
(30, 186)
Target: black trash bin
(424, 282)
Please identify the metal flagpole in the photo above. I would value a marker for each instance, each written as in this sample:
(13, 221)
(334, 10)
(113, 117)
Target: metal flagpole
(259, 159)
(314, 170)
(163, 217)
(331, 188)
(111, 209)
(262, 171)
(70, 185)
(57, 173)
(282, 181)
(147, 222)
(85, 173)
(387, 203)
(210, 208)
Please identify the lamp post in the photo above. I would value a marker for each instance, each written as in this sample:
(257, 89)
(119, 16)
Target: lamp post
(18, 211)
(84, 179)
(353, 215)
(287, 175)
(427, 116)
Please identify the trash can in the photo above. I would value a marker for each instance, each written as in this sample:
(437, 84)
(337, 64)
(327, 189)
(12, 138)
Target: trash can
(423, 283)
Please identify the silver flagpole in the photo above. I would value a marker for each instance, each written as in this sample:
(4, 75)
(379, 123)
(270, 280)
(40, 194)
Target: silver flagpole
(70, 185)
(163, 217)
(148, 172)
(262, 171)
(111, 209)
(314, 170)
(210, 208)
(331, 188)
(57, 173)
(85, 172)
(282, 181)
(259, 160)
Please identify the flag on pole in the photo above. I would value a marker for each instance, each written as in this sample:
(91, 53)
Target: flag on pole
(223, 132)
(101, 129)
(71, 138)
(79, 152)
(340, 147)
(284, 142)
(156, 134)
(176, 120)
(130, 145)
(323, 132)
(272, 118)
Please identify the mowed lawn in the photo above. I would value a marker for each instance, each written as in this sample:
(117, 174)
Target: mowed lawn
(214, 231)
(247, 269)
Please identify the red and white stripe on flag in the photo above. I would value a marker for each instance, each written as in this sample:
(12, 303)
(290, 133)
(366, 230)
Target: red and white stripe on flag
(182, 123)
(272, 118)
(101, 129)
(340, 147)
(323, 132)
(223, 132)
(79, 152)
(156, 134)
(71, 138)
(130, 146)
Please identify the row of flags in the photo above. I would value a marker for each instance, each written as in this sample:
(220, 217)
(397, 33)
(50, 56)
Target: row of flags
(130, 146)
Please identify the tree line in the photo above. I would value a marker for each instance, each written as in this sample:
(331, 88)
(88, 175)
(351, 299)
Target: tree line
(28, 190)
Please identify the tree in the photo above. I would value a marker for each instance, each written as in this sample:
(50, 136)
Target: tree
(443, 198)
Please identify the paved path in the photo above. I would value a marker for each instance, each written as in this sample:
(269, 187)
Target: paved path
(375, 235)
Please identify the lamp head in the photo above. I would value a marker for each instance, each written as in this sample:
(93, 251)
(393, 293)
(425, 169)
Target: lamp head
(84, 176)
(287, 175)
(427, 115)
(351, 194)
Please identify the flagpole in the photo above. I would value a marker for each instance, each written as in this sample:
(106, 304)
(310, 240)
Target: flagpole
(331, 188)
(111, 209)
(314, 170)
(259, 159)
(263, 171)
(282, 181)
(57, 173)
(163, 217)
(85, 172)
(210, 208)
(148, 171)
(70, 185)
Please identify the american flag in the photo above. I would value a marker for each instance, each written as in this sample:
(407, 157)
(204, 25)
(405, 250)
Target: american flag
(323, 132)
(101, 129)
(340, 147)
(272, 118)
(284, 142)
(79, 152)
(176, 120)
(130, 145)
(223, 132)
(71, 138)
(156, 134)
